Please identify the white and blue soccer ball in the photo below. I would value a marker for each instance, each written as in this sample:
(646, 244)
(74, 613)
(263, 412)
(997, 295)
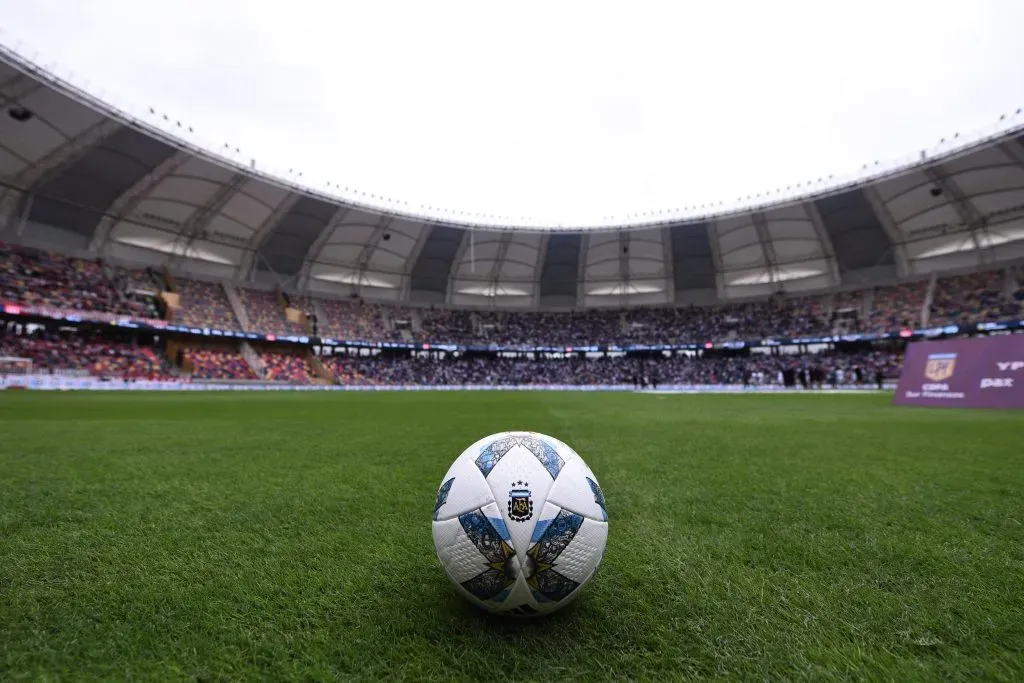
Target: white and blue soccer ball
(520, 523)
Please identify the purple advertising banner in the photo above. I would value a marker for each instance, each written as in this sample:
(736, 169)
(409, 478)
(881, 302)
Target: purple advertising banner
(982, 372)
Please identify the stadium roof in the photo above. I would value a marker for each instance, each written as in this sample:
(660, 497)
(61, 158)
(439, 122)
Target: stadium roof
(84, 176)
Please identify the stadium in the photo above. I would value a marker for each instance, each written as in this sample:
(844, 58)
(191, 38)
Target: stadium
(728, 374)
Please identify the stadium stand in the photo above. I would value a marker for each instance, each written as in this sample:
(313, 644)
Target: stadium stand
(287, 366)
(977, 297)
(897, 307)
(86, 354)
(139, 289)
(847, 312)
(857, 367)
(763, 319)
(265, 311)
(354, 319)
(219, 363)
(537, 328)
(204, 304)
(34, 277)
(447, 325)
(39, 278)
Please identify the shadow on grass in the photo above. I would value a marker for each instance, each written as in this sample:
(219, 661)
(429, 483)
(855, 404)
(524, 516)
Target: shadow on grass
(464, 615)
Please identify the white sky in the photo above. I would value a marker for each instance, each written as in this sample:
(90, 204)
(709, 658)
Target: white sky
(567, 112)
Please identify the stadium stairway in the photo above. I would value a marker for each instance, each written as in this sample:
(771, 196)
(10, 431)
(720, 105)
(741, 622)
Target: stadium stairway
(318, 310)
(158, 361)
(868, 306)
(170, 295)
(252, 358)
(169, 279)
(1009, 283)
(238, 308)
(929, 297)
(295, 314)
(174, 350)
(323, 374)
(828, 306)
(864, 310)
(285, 306)
(416, 321)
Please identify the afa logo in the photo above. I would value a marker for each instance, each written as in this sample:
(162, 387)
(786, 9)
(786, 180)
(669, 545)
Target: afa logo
(520, 504)
(940, 366)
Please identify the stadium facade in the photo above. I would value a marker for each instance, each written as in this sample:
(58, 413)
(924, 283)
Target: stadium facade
(81, 178)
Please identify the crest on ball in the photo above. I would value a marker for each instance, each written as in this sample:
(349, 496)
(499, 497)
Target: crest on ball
(520, 503)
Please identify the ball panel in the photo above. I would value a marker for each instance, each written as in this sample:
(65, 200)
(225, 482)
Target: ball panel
(458, 555)
(583, 554)
(577, 490)
(462, 489)
(476, 552)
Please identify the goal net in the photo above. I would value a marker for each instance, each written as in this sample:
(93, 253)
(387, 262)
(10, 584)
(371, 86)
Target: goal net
(15, 366)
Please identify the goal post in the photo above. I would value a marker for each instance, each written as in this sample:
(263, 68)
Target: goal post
(10, 365)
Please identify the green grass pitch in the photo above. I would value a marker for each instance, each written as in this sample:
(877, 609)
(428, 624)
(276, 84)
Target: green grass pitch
(287, 536)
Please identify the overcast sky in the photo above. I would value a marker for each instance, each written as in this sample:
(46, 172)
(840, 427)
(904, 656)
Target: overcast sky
(560, 111)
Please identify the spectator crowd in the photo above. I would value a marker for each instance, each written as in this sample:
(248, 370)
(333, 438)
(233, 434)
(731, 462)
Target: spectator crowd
(974, 298)
(756, 369)
(220, 363)
(86, 354)
(34, 277)
(266, 313)
(205, 304)
(287, 366)
(38, 278)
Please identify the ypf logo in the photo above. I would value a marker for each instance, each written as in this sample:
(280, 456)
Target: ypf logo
(1003, 382)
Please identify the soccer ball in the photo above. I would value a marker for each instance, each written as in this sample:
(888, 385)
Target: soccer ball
(520, 523)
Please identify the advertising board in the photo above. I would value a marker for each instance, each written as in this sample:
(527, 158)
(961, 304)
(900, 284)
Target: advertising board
(981, 372)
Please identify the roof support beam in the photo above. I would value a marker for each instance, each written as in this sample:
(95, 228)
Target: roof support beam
(969, 215)
(581, 271)
(494, 275)
(499, 259)
(318, 245)
(770, 258)
(51, 165)
(624, 256)
(201, 218)
(383, 223)
(414, 256)
(468, 243)
(764, 237)
(17, 88)
(826, 242)
(1013, 149)
(245, 268)
(366, 253)
(124, 205)
(538, 268)
(624, 265)
(888, 223)
(716, 254)
(666, 263)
